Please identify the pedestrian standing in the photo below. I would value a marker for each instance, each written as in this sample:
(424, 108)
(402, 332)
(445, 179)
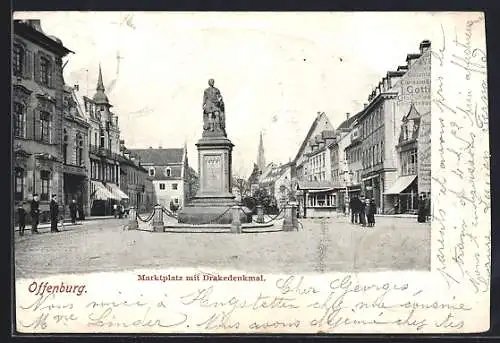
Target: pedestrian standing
(72, 210)
(35, 213)
(115, 210)
(54, 214)
(362, 212)
(353, 211)
(421, 210)
(21, 218)
(373, 210)
(427, 207)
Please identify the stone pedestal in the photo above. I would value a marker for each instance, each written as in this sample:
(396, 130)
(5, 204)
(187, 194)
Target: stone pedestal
(290, 222)
(236, 224)
(260, 214)
(157, 223)
(132, 219)
(213, 202)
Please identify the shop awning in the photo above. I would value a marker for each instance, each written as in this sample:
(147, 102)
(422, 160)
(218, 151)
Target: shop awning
(100, 192)
(401, 184)
(321, 190)
(116, 191)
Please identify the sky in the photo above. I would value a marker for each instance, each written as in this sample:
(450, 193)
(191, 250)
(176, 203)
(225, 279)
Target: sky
(275, 70)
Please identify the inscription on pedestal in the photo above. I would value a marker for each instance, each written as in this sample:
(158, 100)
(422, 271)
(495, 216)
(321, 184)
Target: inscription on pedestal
(212, 173)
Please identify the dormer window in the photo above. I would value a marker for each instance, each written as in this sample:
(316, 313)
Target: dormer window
(151, 171)
(168, 172)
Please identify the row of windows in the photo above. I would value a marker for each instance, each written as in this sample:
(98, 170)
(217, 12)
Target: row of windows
(353, 155)
(44, 184)
(321, 200)
(373, 155)
(103, 172)
(408, 161)
(41, 128)
(318, 161)
(372, 122)
(167, 171)
(78, 149)
(21, 65)
(174, 186)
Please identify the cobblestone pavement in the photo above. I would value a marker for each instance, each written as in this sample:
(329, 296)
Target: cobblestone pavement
(321, 245)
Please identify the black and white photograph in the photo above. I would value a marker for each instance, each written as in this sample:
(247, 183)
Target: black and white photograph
(250, 172)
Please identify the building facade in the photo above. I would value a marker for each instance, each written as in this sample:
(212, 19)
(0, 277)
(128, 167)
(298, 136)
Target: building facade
(311, 164)
(75, 152)
(104, 146)
(135, 181)
(38, 92)
(168, 169)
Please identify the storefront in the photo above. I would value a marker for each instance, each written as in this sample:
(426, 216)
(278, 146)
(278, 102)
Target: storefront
(102, 200)
(403, 195)
(318, 199)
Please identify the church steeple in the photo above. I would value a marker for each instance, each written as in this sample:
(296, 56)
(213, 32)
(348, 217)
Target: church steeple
(100, 97)
(100, 84)
(261, 160)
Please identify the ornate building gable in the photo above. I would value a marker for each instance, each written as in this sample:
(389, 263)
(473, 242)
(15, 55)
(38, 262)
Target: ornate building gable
(410, 126)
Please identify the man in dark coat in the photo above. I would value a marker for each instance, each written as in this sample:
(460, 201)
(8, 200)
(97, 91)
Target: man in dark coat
(352, 207)
(362, 211)
(54, 214)
(21, 217)
(35, 213)
(72, 210)
(421, 209)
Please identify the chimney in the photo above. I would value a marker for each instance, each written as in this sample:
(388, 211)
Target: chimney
(319, 114)
(364, 105)
(76, 87)
(36, 24)
(151, 147)
(424, 46)
(347, 115)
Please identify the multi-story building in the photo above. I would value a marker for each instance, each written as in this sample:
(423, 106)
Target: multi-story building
(315, 196)
(75, 152)
(104, 146)
(412, 150)
(301, 160)
(135, 181)
(38, 92)
(169, 171)
(352, 174)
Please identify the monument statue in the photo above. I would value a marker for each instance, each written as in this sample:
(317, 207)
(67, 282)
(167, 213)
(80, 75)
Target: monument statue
(213, 110)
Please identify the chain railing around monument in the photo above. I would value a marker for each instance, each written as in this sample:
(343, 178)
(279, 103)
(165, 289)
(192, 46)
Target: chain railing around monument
(169, 213)
(148, 218)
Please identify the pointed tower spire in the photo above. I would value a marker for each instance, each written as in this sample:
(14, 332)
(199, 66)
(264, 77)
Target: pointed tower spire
(261, 161)
(100, 84)
(100, 97)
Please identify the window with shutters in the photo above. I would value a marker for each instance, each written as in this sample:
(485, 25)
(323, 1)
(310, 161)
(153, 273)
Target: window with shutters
(19, 120)
(79, 149)
(45, 71)
(19, 184)
(45, 127)
(45, 185)
(18, 62)
(65, 147)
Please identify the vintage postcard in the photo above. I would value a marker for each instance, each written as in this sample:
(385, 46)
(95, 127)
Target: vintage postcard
(250, 172)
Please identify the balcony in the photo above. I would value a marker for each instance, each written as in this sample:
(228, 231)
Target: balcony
(103, 152)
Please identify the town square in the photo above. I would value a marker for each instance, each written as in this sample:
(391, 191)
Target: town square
(121, 164)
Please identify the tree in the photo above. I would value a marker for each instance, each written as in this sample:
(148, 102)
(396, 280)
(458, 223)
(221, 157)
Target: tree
(242, 186)
(193, 183)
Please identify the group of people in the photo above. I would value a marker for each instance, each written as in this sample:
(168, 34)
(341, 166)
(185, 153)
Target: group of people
(53, 214)
(362, 211)
(118, 210)
(424, 208)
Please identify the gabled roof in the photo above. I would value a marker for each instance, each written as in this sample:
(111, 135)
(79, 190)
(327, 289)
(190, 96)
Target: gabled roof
(309, 134)
(413, 113)
(348, 122)
(159, 157)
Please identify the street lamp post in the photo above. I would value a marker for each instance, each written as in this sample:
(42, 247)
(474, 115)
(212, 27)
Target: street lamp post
(347, 177)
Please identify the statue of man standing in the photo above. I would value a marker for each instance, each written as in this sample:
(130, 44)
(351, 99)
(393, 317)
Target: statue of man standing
(213, 108)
